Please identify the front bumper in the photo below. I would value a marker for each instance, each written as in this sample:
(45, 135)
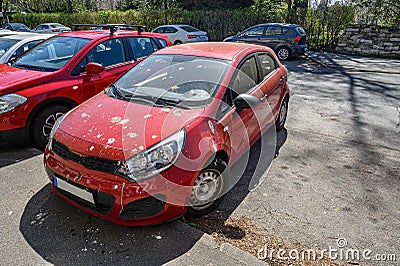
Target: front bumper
(18, 136)
(117, 200)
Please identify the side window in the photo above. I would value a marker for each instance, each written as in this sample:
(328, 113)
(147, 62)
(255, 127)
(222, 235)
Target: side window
(25, 48)
(159, 30)
(226, 104)
(142, 46)
(267, 64)
(107, 53)
(274, 30)
(161, 42)
(256, 31)
(170, 30)
(246, 77)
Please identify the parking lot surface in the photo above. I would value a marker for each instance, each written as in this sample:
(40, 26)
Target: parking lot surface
(336, 177)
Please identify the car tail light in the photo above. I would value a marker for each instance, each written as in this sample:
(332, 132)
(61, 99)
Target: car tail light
(297, 38)
(191, 36)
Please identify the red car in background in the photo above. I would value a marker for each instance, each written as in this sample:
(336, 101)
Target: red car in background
(159, 141)
(62, 72)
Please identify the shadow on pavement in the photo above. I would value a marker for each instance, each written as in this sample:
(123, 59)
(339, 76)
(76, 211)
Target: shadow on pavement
(62, 234)
(10, 156)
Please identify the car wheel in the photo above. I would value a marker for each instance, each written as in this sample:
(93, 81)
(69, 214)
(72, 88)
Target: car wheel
(283, 53)
(280, 121)
(43, 123)
(177, 42)
(205, 195)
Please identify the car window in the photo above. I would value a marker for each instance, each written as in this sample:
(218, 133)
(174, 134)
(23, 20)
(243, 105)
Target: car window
(52, 54)
(170, 30)
(301, 30)
(161, 42)
(25, 48)
(142, 46)
(267, 64)
(159, 30)
(189, 28)
(107, 53)
(255, 31)
(274, 30)
(5, 45)
(246, 76)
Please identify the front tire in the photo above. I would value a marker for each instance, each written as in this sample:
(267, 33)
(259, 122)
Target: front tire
(177, 42)
(206, 192)
(281, 119)
(43, 123)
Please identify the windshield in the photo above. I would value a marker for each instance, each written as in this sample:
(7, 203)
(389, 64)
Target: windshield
(179, 80)
(52, 54)
(5, 45)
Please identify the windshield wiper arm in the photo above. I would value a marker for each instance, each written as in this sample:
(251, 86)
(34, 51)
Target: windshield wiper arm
(30, 67)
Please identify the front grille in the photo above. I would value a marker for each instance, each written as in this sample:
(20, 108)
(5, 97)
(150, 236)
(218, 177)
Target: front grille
(142, 208)
(89, 162)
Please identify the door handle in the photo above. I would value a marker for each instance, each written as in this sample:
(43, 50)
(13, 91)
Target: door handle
(263, 98)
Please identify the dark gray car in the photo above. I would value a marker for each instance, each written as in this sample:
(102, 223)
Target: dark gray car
(287, 40)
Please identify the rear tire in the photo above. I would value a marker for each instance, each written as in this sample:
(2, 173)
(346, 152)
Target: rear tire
(43, 123)
(177, 42)
(205, 195)
(284, 53)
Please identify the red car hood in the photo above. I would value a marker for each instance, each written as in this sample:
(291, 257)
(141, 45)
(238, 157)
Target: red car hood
(112, 123)
(14, 79)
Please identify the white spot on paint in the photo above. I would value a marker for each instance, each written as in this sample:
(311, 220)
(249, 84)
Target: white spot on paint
(141, 148)
(116, 119)
(123, 122)
(99, 135)
(147, 116)
(91, 148)
(110, 141)
(154, 136)
(84, 115)
(132, 135)
(177, 113)
(165, 110)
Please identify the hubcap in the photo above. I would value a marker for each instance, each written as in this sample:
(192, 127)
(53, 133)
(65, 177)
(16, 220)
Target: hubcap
(282, 114)
(283, 54)
(205, 189)
(49, 123)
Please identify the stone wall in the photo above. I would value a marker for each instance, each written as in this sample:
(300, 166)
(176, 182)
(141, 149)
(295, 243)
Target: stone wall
(370, 40)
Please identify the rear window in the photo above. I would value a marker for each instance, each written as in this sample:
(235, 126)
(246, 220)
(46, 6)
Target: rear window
(5, 45)
(189, 28)
(301, 30)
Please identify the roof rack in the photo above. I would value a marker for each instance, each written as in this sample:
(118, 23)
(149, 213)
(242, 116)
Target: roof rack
(113, 27)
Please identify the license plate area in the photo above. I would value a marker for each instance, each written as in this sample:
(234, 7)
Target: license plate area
(72, 189)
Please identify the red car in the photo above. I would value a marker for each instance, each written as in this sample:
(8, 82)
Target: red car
(159, 142)
(62, 72)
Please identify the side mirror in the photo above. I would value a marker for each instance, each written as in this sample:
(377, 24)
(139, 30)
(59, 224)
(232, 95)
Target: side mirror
(92, 68)
(245, 101)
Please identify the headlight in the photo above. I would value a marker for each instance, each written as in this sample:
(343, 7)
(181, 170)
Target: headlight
(154, 160)
(10, 101)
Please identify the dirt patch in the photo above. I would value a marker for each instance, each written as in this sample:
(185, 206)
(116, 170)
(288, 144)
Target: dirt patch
(243, 233)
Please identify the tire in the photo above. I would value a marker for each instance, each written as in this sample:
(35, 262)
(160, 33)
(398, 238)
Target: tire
(43, 123)
(177, 42)
(281, 119)
(202, 202)
(284, 53)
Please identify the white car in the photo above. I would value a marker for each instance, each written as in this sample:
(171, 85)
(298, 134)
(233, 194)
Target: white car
(51, 28)
(14, 45)
(179, 34)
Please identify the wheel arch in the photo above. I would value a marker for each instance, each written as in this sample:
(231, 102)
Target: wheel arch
(41, 106)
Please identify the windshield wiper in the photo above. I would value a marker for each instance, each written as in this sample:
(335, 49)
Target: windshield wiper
(170, 102)
(30, 67)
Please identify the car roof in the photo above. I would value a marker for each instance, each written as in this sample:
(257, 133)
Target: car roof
(219, 50)
(26, 36)
(94, 34)
(279, 24)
